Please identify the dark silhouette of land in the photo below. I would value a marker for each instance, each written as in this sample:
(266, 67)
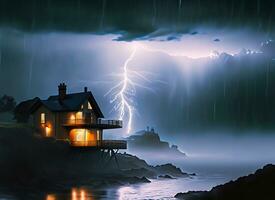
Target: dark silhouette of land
(31, 161)
(257, 186)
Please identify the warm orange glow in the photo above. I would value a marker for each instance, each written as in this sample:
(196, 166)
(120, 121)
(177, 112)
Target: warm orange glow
(72, 117)
(79, 115)
(50, 197)
(48, 130)
(83, 195)
(74, 194)
(83, 137)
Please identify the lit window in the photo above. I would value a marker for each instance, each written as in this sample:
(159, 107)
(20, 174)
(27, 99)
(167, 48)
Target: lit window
(48, 131)
(43, 118)
(79, 115)
(81, 135)
(82, 106)
(72, 118)
(90, 106)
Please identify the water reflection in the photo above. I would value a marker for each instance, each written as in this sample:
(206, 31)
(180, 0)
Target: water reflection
(157, 189)
(81, 194)
(50, 197)
(76, 194)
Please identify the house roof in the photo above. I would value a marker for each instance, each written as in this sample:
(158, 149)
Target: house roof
(71, 102)
(25, 106)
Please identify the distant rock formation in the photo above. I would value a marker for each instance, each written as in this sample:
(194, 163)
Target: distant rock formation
(149, 141)
(259, 185)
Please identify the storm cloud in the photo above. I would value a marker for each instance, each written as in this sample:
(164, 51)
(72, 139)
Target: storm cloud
(84, 43)
(137, 19)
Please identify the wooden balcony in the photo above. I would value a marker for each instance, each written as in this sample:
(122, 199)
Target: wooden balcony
(90, 123)
(101, 144)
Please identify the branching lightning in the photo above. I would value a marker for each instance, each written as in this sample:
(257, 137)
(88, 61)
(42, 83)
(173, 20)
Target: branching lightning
(123, 93)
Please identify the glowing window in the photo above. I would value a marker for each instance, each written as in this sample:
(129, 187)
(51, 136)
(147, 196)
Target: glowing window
(81, 135)
(82, 106)
(72, 117)
(48, 131)
(43, 118)
(79, 115)
(90, 106)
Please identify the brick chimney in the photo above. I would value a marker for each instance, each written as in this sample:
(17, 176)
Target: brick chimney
(85, 89)
(62, 91)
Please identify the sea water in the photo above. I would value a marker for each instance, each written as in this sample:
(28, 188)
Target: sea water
(207, 176)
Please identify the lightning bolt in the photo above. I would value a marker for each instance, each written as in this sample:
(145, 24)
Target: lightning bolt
(123, 93)
(126, 90)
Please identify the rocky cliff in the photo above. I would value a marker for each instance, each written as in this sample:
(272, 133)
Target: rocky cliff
(259, 185)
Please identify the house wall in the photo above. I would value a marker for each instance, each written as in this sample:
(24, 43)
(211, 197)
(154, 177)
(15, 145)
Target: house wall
(89, 111)
(61, 119)
(67, 118)
(56, 120)
(47, 129)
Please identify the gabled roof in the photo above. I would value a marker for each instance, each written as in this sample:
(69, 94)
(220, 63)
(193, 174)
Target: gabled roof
(72, 102)
(26, 106)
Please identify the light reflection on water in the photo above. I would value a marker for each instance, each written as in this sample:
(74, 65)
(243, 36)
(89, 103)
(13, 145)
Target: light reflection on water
(157, 189)
(208, 176)
(76, 194)
(166, 189)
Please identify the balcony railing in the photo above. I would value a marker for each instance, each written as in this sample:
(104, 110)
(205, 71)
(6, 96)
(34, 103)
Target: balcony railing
(110, 122)
(101, 144)
(104, 123)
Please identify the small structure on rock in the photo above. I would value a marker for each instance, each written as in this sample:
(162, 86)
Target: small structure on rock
(149, 141)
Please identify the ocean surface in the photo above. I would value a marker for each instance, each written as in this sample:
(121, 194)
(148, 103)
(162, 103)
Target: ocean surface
(208, 175)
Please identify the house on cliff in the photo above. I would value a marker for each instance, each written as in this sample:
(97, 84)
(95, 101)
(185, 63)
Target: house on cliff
(75, 118)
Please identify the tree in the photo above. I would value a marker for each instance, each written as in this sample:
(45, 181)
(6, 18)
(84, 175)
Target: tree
(7, 103)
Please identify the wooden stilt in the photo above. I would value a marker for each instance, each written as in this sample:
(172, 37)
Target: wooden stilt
(116, 159)
(107, 155)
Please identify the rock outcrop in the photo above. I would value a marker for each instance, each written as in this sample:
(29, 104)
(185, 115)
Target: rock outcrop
(149, 142)
(259, 185)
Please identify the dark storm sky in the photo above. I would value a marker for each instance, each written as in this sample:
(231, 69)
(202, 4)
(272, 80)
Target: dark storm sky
(136, 18)
(81, 42)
